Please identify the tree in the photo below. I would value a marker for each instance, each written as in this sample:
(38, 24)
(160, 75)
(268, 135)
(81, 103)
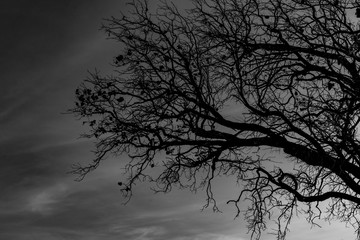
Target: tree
(265, 91)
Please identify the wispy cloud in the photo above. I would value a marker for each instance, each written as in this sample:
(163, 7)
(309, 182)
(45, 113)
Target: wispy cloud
(45, 201)
(147, 233)
(211, 236)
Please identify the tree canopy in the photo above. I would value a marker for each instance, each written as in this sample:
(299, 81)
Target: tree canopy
(265, 91)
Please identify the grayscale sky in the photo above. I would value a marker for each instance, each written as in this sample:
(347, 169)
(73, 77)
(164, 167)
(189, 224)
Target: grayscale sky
(46, 49)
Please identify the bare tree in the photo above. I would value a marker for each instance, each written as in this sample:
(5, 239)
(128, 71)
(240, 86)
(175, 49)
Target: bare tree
(265, 91)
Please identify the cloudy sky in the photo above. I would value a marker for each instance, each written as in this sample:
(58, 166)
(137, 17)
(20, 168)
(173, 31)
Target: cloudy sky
(46, 49)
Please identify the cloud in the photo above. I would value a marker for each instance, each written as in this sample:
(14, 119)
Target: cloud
(146, 233)
(56, 207)
(159, 232)
(210, 236)
(45, 201)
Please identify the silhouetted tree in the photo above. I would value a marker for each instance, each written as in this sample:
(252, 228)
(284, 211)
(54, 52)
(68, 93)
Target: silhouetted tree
(266, 91)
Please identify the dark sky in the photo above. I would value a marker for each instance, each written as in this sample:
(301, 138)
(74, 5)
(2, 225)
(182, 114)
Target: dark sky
(46, 49)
